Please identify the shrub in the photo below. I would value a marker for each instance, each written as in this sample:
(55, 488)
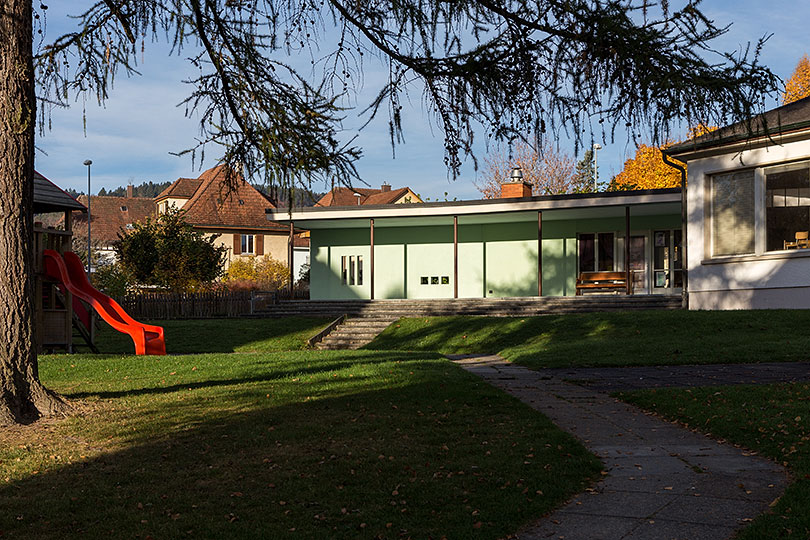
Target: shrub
(251, 273)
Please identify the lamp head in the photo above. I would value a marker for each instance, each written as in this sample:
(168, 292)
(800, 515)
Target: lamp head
(88, 162)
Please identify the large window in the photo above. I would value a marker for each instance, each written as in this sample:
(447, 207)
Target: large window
(732, 213)
(787, 207)
(596, 252)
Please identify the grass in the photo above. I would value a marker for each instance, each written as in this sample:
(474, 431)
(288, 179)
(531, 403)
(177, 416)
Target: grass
(221, 335)
(613, 338)
(309, 444)
(773, 420)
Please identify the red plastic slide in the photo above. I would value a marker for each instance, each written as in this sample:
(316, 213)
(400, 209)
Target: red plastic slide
(70, 271)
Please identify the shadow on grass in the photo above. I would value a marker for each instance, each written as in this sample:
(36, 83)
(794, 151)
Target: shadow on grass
(411, 451)
(612, 338)
(303, 369)
(221, 335)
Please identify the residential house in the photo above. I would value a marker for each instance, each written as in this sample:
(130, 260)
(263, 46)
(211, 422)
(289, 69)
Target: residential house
(237, 215)
(517, 245)
(109, 217)
(748, 212)
(349, 196)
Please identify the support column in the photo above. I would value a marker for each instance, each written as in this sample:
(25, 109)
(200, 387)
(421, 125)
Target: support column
(371, 256)
(290, 251)
(455, 256)
(539, 253)
(628, 277)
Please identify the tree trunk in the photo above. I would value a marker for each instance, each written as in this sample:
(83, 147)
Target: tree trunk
(22, 396)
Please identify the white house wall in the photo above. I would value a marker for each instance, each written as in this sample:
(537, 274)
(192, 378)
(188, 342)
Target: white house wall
(760, 281)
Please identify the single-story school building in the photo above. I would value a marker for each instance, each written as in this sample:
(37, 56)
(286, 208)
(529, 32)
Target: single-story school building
(513, 246)
(741, 240)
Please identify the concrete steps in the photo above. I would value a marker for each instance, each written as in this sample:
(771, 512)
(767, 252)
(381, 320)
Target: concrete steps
(497, 307)
(354, 333)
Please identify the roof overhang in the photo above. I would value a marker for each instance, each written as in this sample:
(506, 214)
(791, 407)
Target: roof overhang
(556, 207)
(687, 152)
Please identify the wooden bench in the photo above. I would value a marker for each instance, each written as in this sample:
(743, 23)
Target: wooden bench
(595, 281)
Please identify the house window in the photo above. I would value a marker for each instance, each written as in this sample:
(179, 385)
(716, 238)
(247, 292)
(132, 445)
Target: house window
(247, 244)
(596, 252)
(732, 213)
(787, 207)
(351, 269)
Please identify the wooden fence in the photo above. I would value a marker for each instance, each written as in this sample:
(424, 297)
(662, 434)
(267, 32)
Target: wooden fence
(205, 305)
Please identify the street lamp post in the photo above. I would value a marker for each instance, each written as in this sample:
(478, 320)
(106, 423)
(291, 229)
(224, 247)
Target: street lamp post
(596, 148)
(87, 163)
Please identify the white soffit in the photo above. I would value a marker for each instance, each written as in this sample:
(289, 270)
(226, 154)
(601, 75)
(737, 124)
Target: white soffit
(405, 215)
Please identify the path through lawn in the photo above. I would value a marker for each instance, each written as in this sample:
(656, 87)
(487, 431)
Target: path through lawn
(309, 444)
(773, 420)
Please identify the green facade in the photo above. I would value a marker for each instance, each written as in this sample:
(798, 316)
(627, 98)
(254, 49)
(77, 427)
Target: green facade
(494, 259)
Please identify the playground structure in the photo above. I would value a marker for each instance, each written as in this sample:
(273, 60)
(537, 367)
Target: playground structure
(62, 287)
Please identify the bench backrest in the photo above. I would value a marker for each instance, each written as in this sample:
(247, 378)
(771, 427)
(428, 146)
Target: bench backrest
(602, 276)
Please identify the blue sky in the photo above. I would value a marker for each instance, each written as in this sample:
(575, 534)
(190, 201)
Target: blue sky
(131, 136)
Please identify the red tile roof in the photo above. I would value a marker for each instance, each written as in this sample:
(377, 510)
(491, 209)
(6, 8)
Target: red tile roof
(111, 215)
(182, 188)
(345, 196)
(213, 205)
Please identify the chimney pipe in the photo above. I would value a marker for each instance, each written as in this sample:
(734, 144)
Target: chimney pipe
(129, 191)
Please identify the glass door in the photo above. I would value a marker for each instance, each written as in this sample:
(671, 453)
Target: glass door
(638, 264)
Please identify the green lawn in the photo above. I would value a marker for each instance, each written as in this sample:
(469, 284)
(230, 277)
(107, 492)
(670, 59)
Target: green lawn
(613, 338)
(309, 444)
(221, 335)
(773, 420)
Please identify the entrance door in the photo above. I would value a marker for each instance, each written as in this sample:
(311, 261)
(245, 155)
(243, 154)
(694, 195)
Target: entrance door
(638, 264)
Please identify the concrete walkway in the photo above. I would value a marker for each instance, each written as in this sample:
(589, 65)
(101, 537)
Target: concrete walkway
(663, 482)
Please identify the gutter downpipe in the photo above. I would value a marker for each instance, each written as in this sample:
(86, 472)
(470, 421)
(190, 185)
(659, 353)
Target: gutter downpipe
(684, 218)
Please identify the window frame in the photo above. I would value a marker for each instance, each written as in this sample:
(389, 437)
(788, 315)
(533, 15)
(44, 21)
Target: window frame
(246, 240)
(595, 257)
(760, 214)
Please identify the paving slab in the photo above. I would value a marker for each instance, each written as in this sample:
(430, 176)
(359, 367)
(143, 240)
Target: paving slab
(663, 481)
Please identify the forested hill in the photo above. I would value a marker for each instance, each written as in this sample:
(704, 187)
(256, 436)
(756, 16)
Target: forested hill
(147, 190)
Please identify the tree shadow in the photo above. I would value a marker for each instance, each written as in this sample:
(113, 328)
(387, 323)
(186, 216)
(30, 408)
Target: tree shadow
(361, 459)
(195, 336)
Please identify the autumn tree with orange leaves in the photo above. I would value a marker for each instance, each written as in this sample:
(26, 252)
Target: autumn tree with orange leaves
(548, 171)
(647, 169)
(798, 86)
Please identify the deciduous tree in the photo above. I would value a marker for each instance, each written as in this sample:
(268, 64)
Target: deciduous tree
(168, 252)
(646, 170)
(798, 85)
(519, 68)
(548, 171)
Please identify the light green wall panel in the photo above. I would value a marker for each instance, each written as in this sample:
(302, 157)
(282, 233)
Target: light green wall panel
(327, 247)
(497, 257)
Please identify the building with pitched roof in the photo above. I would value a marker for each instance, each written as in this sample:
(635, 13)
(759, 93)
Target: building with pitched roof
(110, 216)
(349, 196)
(235, 213)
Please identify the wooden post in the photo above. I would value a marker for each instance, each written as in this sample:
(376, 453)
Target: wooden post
(371, 256)
(455, 256)
(65, 244)
(290, 248)
(539, 253)
(628, 277)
